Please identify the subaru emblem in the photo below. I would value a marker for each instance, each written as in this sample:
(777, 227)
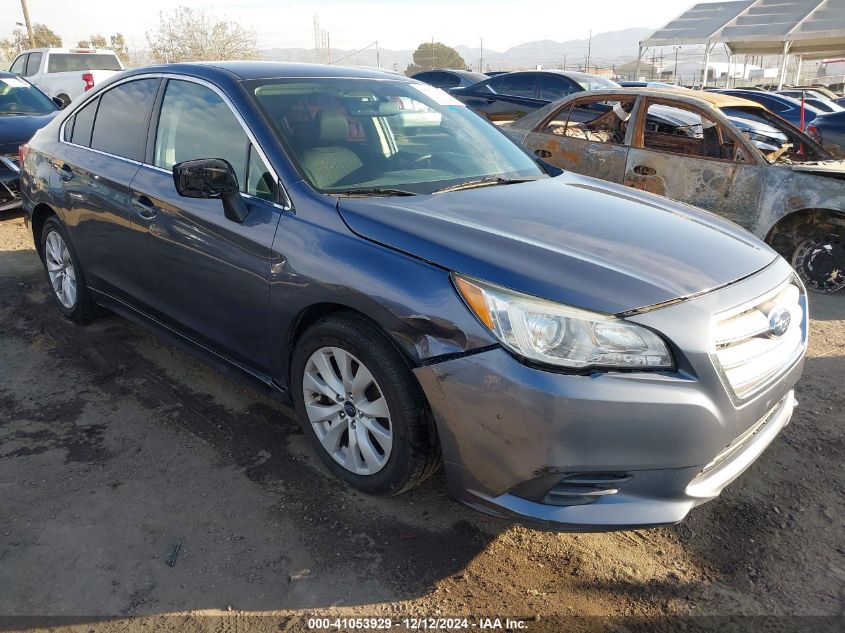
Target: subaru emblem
(779, 319)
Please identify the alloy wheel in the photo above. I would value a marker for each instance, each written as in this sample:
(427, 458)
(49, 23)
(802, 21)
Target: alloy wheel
(347, 410)
(820, 262)
(60, 269)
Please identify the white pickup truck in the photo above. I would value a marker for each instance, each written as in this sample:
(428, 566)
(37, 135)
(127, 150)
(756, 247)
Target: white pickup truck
(66, 73)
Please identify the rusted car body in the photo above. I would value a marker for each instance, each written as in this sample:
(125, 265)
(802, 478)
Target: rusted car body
(707, 150)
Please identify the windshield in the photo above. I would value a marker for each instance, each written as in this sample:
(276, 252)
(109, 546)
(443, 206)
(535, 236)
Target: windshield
(17, 97)
(369, 134)
(777, 140)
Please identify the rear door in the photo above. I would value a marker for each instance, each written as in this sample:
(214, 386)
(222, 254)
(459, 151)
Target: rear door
(681, 152)
(103, 143)
(194, 269)
(586, 136)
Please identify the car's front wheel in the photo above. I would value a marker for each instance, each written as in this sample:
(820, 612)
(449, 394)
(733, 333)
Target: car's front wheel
(361, 406)
(819, 260)
(64, 272)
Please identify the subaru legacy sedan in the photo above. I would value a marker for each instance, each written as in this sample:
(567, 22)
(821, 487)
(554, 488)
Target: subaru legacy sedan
(577, 354)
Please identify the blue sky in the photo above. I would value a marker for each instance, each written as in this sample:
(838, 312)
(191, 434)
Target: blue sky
(394, 23)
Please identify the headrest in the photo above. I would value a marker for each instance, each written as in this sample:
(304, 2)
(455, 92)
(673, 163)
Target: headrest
(332, 127)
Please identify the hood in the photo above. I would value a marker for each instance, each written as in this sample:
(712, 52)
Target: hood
(830, 168)
(17, 130)
(571, 239)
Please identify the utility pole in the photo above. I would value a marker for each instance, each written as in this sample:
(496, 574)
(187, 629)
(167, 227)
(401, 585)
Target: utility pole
(431, 59)
(677, 48)
(378, 57)
(28, 24)
(481, 56)
(589, 50)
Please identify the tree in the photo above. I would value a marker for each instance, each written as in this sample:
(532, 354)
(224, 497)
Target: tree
(114, 42)
(186, 35)
(44, 37)
(431, 55)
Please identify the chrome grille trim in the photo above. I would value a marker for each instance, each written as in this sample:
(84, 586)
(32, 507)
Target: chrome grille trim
(745, 351)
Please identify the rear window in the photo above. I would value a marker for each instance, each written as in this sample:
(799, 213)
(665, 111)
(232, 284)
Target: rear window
(72, 62)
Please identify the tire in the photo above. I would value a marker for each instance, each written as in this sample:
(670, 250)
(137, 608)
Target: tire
(64, 272)
(413, 453)
(819, 260)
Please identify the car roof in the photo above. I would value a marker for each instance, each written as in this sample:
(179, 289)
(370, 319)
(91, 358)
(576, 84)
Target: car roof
(72, 51)
(553, 71)
(245, 70)
(715, 99)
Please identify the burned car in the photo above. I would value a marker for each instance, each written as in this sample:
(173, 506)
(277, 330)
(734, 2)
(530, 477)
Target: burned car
(722, 153)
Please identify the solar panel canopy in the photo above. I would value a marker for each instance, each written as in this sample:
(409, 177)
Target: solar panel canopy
(813, 28)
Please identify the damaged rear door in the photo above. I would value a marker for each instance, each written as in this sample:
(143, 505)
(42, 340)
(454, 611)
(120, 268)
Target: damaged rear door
(586, 136)
(681, 152)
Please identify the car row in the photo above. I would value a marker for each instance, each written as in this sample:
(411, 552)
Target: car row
(575, 353)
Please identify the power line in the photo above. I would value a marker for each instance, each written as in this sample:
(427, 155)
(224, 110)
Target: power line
(361, 50)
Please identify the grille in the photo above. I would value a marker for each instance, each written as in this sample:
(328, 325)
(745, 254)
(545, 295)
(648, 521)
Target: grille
(751, 350)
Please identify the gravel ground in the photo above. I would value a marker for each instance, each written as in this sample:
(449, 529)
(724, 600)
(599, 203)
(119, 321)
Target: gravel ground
(115, 448)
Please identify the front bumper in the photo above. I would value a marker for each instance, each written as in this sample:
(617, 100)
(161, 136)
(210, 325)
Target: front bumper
(512, 435)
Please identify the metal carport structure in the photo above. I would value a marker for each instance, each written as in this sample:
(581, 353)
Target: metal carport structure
(809, 29)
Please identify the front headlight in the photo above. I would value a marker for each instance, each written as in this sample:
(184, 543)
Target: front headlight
(556, 334)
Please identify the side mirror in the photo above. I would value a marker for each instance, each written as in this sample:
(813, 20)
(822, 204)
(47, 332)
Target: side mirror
(59, 103)
(211, 178)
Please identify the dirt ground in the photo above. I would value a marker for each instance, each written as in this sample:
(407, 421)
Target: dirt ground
(114, 448)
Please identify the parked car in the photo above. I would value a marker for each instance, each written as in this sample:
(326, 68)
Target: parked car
(645, 84)
(785, 107)
(447, 78)
(829, 130)
(690, 146)
(23, 110)
(66, 73)
(817, 100)
(512, 95)
(580, 354)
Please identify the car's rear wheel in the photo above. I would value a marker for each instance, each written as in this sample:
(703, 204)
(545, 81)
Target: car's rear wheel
(64, 272)
(819, 260)
(361, 406)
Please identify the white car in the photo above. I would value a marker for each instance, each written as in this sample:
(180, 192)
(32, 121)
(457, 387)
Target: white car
(66, 73)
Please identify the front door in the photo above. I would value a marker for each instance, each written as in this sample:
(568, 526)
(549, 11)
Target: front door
(586, 136)
(684, 155)
(199, 272)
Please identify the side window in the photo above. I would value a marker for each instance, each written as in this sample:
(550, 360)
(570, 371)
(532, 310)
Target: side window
(494, 85)
(445, 80)
(259, 180)
(595, 121)
(553, 88)
(83, 123)
(121, 124)
(196, 123)
(32, 64)
(19, 65)
(680, 131)
(517, 85)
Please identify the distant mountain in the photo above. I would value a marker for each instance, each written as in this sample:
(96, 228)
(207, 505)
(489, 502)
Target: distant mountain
(606, 49)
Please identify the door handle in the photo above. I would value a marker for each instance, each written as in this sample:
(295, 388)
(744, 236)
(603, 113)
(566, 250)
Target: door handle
(64, 170)
(542, 153)
(645, 170)
(145, 207)
(489, 100)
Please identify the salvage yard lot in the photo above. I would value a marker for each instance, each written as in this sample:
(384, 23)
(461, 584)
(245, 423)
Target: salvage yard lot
(114, 448)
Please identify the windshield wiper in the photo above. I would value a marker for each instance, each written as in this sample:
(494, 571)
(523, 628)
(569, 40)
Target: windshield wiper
(483, 182)
(373, 191)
